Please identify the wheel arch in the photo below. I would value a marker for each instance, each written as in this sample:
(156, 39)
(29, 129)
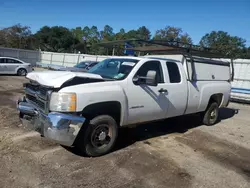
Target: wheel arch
(112, 108)
(217, 97)
(18, 68)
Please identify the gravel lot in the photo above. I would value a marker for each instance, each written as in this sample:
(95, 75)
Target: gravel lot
(177, 152)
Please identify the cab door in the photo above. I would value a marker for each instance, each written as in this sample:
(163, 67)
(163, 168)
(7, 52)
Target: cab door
(146, 102)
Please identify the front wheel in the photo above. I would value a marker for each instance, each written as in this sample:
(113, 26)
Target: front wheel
(21, 72)
(99, 137)
(210, 116)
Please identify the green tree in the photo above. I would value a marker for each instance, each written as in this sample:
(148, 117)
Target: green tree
(77, 33)
(172, 34)
(88, 39)
(230, 46)
(131, 34)
(107, 34)
(17, 36)
(94, 38)
(56, 39)
(246, 53)
(143, 33)
(120, 35)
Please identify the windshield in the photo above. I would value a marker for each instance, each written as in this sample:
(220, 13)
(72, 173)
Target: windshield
(114, 68)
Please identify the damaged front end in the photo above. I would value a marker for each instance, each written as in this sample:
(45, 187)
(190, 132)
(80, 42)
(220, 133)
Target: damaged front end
(62, 128)
(36, 114)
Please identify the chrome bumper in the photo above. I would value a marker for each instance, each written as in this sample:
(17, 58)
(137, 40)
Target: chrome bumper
(59, 127)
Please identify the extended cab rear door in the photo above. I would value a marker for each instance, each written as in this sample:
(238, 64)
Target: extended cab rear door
(176, 85)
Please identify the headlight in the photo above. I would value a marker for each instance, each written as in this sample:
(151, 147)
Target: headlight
(63, 102)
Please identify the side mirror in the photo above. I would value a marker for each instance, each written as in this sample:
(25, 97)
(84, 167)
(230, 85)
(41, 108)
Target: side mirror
(150, 79)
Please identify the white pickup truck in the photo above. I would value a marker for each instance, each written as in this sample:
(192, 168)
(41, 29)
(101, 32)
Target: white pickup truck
(86, 109)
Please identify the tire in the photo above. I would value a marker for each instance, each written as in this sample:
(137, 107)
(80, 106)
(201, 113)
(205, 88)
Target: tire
(21, 72)
(98, 137)
(210, 116)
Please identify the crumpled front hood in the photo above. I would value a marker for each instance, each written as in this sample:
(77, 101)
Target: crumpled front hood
(56, 79)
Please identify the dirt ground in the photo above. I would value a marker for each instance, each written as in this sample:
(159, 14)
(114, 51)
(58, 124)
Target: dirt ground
(177, 152)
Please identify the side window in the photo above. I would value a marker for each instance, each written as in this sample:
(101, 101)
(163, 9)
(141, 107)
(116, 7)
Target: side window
(12, 61)
(151, 65)
(91, 65)
(2, 60)
(173, 72)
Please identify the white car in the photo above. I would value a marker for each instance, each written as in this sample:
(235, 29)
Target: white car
(9, 65)
(87, 109)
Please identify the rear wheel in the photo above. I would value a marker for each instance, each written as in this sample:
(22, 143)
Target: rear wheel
(210, 116)
(21, 72)
(99, 137)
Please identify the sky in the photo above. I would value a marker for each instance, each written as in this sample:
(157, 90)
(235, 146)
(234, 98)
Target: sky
(196, 17)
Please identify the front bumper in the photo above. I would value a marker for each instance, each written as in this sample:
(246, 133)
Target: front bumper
(59, 127)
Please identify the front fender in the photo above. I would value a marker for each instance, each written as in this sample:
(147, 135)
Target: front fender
(88, 94)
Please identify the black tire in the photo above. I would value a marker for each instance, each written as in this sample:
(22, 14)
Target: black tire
(21, 72)
(101, 130)
(210, 116)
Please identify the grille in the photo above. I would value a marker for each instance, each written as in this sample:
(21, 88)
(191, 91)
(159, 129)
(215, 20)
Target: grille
(38, 102)
(43, 91)
(37, 88)
(38, 95)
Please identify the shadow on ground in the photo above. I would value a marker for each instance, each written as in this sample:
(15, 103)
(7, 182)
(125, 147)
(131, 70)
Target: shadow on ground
(226, 113)
(180, 124)
(9, 97)
(128, 136)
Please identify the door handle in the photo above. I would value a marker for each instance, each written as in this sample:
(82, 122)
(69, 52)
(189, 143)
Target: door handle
(163, 90)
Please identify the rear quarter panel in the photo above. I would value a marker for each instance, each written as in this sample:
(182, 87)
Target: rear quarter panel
(209, 89)
(200, 93)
